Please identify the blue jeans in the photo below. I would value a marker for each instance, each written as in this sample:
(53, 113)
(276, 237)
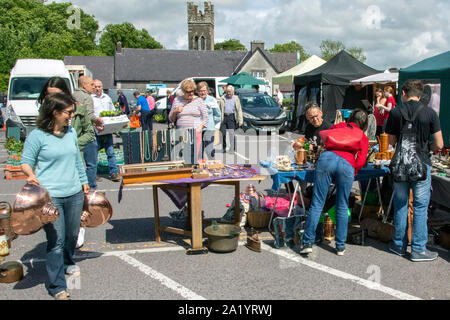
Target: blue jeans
(61, 240)
(330, 167)
(421, 194)
(106, 141)
(90, 153)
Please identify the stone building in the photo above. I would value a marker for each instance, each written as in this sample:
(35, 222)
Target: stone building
(200, 26)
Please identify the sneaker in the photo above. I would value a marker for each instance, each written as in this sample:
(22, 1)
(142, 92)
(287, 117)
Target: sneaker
(340, 251)
(115, 177)
(423, 256)
(307, 248)
(396, 249)
(80, 240)
(73, 270)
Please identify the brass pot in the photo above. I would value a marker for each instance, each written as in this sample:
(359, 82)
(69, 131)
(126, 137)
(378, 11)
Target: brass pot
(96, 209)
(223, 237)
(32, 209)
(5, 220)
(11, 271)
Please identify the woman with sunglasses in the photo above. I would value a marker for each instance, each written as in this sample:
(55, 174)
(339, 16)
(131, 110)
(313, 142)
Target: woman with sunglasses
(52, 159)
(189, 111)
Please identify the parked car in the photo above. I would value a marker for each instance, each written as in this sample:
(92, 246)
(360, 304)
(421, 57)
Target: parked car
(261, 112)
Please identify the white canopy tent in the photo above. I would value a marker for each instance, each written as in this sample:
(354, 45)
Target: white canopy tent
(380, 78)
(287, 77)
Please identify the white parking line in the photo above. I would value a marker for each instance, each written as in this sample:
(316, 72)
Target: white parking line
(165, 281)
(340, 274)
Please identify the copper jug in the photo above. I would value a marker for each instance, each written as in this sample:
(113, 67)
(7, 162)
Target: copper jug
(32, 209)
(328, 229)
(5, 221)
(383, 141)
(300, 157)
(96, 209)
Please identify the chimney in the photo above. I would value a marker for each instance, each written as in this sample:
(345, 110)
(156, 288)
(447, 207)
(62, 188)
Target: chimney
(256, 44)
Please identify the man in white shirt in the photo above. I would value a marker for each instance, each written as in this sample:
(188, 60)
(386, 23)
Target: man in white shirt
(279, 97)
(102, 102)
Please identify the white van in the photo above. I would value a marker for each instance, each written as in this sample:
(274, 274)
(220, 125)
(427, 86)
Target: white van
(215, 83)
(27, 78)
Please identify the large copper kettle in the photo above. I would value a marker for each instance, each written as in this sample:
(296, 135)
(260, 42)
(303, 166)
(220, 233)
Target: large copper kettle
(32, 209)
(96, 210)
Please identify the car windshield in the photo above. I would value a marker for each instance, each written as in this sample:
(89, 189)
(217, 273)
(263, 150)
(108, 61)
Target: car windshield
(258, 101)
(28, 88)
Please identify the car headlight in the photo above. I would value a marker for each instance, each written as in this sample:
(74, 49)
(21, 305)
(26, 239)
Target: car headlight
(10, 114)
(281, 116)
(249, 116)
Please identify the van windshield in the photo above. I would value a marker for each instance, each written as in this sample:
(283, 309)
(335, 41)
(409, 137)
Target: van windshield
(28, 88)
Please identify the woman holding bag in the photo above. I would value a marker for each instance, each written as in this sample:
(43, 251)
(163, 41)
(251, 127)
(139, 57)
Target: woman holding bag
(339, 163)
(52, 159)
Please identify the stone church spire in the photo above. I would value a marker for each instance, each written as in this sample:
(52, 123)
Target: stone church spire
(200, 26)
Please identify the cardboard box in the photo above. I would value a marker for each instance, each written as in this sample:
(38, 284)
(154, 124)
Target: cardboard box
(113, 124)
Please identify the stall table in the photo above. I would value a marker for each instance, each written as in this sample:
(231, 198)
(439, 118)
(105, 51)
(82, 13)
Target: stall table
(194, 201)
(307, 175)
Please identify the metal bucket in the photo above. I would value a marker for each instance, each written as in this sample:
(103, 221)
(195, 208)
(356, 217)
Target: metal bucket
(223, 237)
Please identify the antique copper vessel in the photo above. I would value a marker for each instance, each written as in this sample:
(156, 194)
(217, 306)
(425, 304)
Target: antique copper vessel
(32, 209)
(5, 221)
(96, 209)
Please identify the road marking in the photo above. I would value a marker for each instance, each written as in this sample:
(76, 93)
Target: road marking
(165, 281)
(346, 276)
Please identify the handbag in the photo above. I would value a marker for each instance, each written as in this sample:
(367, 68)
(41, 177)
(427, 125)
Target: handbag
(346, 138)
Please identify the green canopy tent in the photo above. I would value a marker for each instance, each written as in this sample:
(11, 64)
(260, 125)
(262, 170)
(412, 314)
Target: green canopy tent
(433, 70)
(243, 80)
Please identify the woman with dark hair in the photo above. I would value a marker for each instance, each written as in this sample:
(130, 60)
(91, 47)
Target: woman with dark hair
(53, 85)
(52, 159)
(339, 167)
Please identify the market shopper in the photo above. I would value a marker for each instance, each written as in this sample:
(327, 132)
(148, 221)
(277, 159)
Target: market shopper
(279, 97)
(426, 125)
(340, 167)
(83, 97)
(213, 119)
(231, 115)
(102, 102)
(123, 102)
(316, 122)
(189, 111)
(52, 149)
(144, 111)
(378, 112)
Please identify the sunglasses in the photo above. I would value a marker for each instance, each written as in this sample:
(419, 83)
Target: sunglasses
(189, 92)
(69, 113)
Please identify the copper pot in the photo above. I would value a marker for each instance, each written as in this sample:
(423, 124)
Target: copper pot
(96, 209)
(32, 209)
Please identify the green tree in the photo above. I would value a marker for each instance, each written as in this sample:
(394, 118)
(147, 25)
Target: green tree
(129, 37)
(291, 47)
(230, 45)
(31, 29)
(330, 48)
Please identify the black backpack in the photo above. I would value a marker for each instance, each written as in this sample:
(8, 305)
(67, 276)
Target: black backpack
(406, 164)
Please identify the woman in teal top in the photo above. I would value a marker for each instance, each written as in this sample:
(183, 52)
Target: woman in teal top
(52, 159)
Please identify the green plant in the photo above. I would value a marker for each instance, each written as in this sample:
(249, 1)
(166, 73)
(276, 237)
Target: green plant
(12, 145)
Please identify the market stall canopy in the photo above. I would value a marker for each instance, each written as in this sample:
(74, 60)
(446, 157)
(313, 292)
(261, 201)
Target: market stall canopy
(433, 70)
(243, 79)
(330, 85)
(287, 77)
(381, 78)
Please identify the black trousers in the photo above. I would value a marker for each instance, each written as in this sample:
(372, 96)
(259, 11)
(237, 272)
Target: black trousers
(228, 123)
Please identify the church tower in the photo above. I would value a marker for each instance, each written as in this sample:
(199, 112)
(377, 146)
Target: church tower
(200, 26)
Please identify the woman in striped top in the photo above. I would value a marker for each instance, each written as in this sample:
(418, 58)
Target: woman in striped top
(189, 111)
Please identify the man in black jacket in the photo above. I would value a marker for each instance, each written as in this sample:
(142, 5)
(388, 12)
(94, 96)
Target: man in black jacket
(426, 125)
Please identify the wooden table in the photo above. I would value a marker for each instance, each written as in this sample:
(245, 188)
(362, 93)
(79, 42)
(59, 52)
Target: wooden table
(194, 202)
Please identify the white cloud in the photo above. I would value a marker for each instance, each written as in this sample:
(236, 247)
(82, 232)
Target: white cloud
(391, 33)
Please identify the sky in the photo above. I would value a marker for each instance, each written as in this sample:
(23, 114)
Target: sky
(392, 33)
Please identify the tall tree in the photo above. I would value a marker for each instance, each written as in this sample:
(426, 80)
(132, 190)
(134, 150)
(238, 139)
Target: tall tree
(31, 29)
(291, 47)
(330, 48)
(129, 37)
(230, 45)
